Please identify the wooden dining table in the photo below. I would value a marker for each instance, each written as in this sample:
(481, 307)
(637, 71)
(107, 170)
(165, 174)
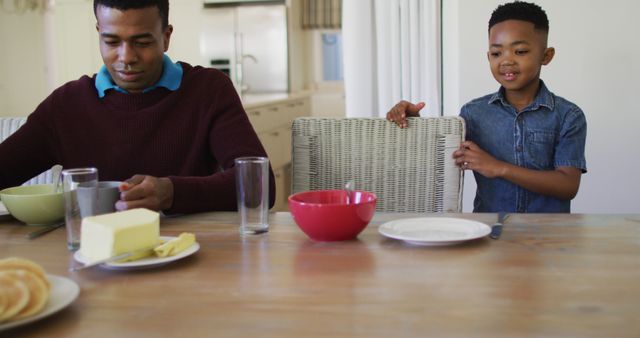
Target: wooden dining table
(549, 275)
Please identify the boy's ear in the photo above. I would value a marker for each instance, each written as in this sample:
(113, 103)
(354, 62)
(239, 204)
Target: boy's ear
(548, 55)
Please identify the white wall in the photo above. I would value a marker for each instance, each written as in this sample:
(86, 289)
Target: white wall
(21, 63)
(73, 50)
(596, 67)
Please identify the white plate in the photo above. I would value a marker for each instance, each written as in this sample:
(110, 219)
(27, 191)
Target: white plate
(144, 263)
(434, 230)
(63, 292)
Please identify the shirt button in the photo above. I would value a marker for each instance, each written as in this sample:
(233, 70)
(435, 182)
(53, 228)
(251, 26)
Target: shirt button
(519, 148)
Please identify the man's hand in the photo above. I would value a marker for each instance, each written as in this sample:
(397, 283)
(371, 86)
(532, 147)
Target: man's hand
(142, 191)
(402, 110)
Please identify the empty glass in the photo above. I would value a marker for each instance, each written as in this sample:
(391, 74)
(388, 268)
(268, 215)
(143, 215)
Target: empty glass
(252, 190)
(80, 200)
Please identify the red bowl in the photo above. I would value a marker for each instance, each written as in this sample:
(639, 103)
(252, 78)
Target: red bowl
(324, 215)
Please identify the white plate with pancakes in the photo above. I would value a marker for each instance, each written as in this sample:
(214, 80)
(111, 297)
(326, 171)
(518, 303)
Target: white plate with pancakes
(433, 231)
(143, 263)
(62, 293)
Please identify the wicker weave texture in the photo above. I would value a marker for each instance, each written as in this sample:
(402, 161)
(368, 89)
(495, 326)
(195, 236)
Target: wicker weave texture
(8, 125)
(410, 170)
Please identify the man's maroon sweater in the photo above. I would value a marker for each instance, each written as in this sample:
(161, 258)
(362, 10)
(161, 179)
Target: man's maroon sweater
(191, 135)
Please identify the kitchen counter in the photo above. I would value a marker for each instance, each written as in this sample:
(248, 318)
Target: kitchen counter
(250, 101)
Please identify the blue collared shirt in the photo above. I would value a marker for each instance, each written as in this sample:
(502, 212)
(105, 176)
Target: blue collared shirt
(170, 79)
(549, 133)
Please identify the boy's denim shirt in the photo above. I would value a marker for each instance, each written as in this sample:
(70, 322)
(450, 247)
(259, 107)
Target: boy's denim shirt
(547, 134)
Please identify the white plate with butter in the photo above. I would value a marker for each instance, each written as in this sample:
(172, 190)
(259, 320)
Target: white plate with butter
(143, 263)
(63, 292)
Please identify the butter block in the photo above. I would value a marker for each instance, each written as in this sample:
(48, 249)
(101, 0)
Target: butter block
(111, 234)
(175, 245)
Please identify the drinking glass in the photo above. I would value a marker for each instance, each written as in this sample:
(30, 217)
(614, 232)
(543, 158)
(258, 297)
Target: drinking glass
(80, 200)
(252, 190)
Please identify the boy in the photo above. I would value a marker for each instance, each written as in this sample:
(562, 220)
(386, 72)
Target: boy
(524, 144)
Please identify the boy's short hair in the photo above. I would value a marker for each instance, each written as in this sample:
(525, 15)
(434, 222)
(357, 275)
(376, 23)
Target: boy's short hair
(520, 10)
(162, 5)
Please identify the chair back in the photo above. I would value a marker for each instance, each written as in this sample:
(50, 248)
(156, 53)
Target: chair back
(8, 126)
(410, 170)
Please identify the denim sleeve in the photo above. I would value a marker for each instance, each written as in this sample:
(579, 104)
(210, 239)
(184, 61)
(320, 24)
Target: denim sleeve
(571, 143)
(465, 117)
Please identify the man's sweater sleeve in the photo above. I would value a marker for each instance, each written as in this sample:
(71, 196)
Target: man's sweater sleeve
(29, 151)
(230, 135)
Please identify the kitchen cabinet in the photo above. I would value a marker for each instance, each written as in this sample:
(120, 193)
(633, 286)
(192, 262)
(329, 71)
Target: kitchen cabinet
(272, 122)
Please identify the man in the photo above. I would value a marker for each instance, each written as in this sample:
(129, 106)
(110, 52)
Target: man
(170, 130)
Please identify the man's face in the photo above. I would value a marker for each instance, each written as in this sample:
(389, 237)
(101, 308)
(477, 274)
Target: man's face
(516, 53)
(132, 44)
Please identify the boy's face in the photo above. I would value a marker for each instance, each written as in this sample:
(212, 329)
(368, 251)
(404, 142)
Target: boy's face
(132, 44)
(516, 53)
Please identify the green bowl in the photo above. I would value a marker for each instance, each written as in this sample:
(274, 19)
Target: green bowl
(34, 204)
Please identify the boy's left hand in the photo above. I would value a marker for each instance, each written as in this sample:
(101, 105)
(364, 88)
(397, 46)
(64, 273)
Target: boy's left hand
(472, 157)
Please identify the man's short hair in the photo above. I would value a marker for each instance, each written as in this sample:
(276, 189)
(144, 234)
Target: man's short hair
(520, 10)
(162, 5)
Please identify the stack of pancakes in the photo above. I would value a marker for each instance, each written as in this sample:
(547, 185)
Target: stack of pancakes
(24, 288)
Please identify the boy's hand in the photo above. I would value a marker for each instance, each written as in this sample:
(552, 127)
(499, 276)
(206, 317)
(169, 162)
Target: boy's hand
(402, 110)
(470, 156)
(561, 182)
(142, 191)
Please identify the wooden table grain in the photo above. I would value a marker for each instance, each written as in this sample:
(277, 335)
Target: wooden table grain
(548, 276)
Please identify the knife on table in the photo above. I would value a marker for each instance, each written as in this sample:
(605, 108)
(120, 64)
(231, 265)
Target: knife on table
(111, 259)
(44, 230)
(496, 229)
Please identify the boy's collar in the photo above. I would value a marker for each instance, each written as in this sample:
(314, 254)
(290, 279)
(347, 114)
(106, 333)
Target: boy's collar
(544, 98)
(171, 78)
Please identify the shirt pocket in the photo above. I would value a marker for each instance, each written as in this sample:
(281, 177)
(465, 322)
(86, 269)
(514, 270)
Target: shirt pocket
(542, 145)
